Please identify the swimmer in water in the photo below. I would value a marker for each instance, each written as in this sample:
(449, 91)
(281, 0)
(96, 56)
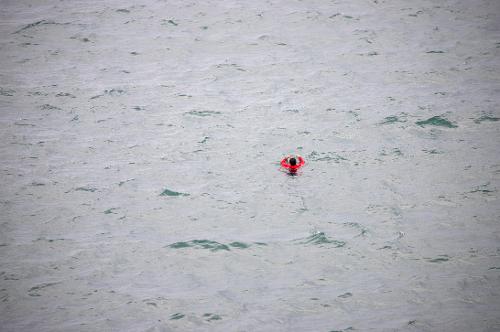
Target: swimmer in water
(292, 163)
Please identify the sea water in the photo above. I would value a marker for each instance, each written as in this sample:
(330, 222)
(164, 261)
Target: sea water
(140, 181)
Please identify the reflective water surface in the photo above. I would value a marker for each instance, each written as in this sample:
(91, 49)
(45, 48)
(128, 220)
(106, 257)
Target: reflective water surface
(140, 181)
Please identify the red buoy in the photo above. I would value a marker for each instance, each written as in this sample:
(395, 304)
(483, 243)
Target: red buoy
(292, 163)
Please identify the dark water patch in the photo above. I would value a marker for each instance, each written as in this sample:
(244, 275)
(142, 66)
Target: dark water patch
(110, 211)
(412, 322)
(354, 113)
(494, 268)
(363, 230)
(134, 53)
(38, 23)
(32, 25)
(394, 151)
(373, 53)
(121, 183)
(486, 118)
(114, 92)
(37, 184)
(6, 92)
(350, 328)
(442, 93)
(210, 317)
(4, 297)
(416, 13)
(433, 151)
(65, 94)
(168, 192)
(171, 22)
(345, 295)
(77, 37)
(123, 10)
(204, 140)
(435, 52)
(204, 27)
(260, 243)
(179, 245)
(90, 189)
(326, 156)
(203, 113)
(320, 239)
(483, 189)
(34, 291)
(138, 108)
(50, 107)
(200, 244)
(439, 259)
(231, 65)
(24, 124)
(110, 92)
(9, 276)
(392, 119)
(291, 110)
(239, 245)
(436, 121)
(37, 93)
(211, 245)
(177, 316)
(49, 240)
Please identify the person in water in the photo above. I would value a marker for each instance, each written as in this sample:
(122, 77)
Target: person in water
(292, 163)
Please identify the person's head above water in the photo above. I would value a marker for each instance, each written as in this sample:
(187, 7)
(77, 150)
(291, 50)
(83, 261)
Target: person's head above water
(292, 163)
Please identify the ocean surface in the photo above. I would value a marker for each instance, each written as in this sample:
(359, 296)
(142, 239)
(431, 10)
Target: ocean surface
(140, 187)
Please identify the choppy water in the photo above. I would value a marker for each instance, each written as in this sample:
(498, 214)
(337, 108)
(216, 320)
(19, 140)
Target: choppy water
(140, 182)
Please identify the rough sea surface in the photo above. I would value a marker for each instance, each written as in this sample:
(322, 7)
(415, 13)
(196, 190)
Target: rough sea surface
(139, 155)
